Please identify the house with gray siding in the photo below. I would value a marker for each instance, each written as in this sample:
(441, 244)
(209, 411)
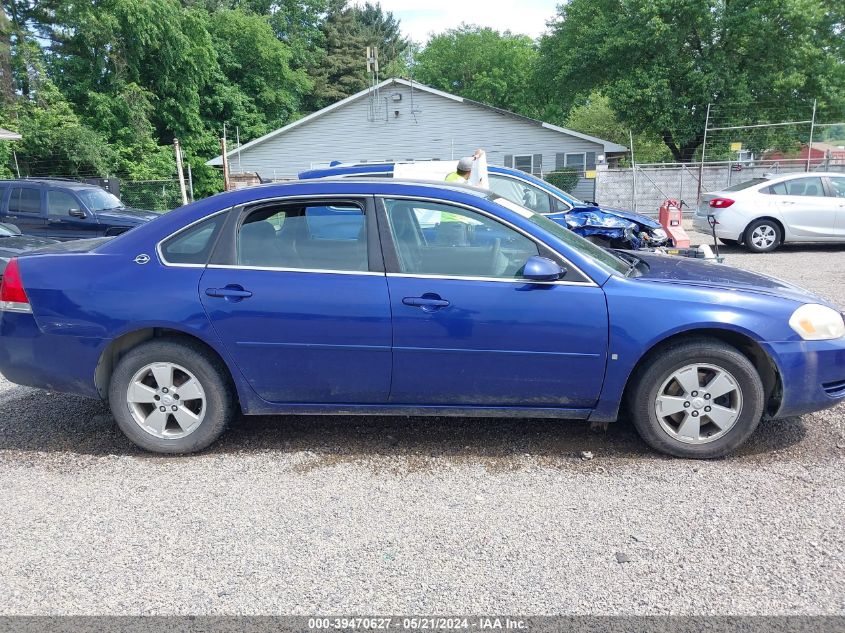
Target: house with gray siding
(401, 120)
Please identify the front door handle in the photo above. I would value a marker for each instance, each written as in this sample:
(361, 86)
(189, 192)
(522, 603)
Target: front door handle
(428, 302)
(232, 292)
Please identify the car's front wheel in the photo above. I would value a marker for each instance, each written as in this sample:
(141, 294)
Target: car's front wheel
(700, 399)
(171, 396)
(763, 236)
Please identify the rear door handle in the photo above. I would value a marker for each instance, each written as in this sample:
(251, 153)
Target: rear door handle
(232, 292)
(427, 302)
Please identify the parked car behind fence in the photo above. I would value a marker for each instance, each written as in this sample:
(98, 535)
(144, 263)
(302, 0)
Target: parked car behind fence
(763, 213)
(66, 210)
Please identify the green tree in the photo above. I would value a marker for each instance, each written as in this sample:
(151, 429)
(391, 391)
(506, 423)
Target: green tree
(481, 64)
(254, 86)
(596, 117)
(342, 71)
(55, 141)
(380, 28)
(660, 62)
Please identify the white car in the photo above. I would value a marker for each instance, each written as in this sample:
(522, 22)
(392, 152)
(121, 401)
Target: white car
(763, 213)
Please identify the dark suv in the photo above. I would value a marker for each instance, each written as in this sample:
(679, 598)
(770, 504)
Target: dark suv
(66, 210)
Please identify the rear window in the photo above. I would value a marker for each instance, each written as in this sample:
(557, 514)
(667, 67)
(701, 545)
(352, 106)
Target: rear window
(745, 185)
(25, 200)
(194, 244)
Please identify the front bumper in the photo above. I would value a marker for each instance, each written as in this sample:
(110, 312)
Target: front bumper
(812, 374)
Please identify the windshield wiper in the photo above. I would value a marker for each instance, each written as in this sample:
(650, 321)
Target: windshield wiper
(633, 262)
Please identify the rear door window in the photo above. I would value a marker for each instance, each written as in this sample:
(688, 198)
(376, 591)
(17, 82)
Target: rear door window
(25, 200)
(305, 236)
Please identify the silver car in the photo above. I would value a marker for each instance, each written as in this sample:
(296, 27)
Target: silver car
(763, 213)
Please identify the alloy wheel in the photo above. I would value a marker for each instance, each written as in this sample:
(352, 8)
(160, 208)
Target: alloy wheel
(698, 403)
(166, 400)
(764, 236)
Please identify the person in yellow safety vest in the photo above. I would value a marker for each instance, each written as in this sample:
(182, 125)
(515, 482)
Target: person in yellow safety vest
(461, 175)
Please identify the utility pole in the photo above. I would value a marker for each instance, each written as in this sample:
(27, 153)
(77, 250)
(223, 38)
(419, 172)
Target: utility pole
(225, 163)
(190, 182)
(703, 149)
(633, 173)
(238, 141)
(810, 144)
(177, 150)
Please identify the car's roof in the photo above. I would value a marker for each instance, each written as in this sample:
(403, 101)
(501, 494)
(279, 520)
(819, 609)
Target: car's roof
(369, 185)
(385, 168)
(52, 182)
(803, 174)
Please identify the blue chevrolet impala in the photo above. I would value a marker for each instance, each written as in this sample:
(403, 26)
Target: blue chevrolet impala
(392, 297)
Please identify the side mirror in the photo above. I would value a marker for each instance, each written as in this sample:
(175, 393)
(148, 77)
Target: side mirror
(77, 213)
(542, 269)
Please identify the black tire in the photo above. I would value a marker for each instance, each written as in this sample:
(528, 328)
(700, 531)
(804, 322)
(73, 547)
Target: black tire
(727, 242)
(765, 225)
(220, 406)
(658, 368)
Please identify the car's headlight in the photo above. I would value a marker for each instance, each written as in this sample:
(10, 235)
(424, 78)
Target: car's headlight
(815, 322)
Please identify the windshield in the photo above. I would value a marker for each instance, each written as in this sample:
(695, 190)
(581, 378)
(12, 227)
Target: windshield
(100, 200)
(576, 242)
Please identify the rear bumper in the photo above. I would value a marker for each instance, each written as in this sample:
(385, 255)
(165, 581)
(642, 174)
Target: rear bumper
(812, 372)
(49, 361)
(725, 229)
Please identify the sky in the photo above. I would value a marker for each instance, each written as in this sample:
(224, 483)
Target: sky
(422, 17)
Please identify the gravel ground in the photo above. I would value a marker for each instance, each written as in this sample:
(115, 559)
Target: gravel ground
(348, 515)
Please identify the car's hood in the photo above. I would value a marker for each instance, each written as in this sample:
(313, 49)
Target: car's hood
(127, 215)
(626, 215)
(696, 272)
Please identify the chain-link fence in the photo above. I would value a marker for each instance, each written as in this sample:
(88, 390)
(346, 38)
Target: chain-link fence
(645, 187)
(154, 195)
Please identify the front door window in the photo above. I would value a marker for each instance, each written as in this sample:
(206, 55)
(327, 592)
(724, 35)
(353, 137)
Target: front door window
(443, 240)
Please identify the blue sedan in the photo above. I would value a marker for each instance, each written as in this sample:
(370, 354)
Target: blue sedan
(391, 297)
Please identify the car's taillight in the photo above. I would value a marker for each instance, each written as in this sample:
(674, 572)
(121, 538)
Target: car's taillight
(12, 294)
(721, 203)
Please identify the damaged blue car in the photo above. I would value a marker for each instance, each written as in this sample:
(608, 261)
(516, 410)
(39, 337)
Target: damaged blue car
(612, 228)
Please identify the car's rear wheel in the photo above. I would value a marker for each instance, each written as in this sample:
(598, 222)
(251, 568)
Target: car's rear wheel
(763, 236)
(171, 396)
(700, 399)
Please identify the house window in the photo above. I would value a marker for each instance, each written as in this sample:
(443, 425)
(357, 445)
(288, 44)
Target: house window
(577, 160)
(524, 163)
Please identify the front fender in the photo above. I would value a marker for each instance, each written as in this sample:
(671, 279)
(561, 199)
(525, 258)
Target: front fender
(644, 314)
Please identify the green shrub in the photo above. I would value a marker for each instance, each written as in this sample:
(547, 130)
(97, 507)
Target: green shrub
(565, 179)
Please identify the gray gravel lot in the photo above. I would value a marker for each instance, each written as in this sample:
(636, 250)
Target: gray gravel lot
(347, 515)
